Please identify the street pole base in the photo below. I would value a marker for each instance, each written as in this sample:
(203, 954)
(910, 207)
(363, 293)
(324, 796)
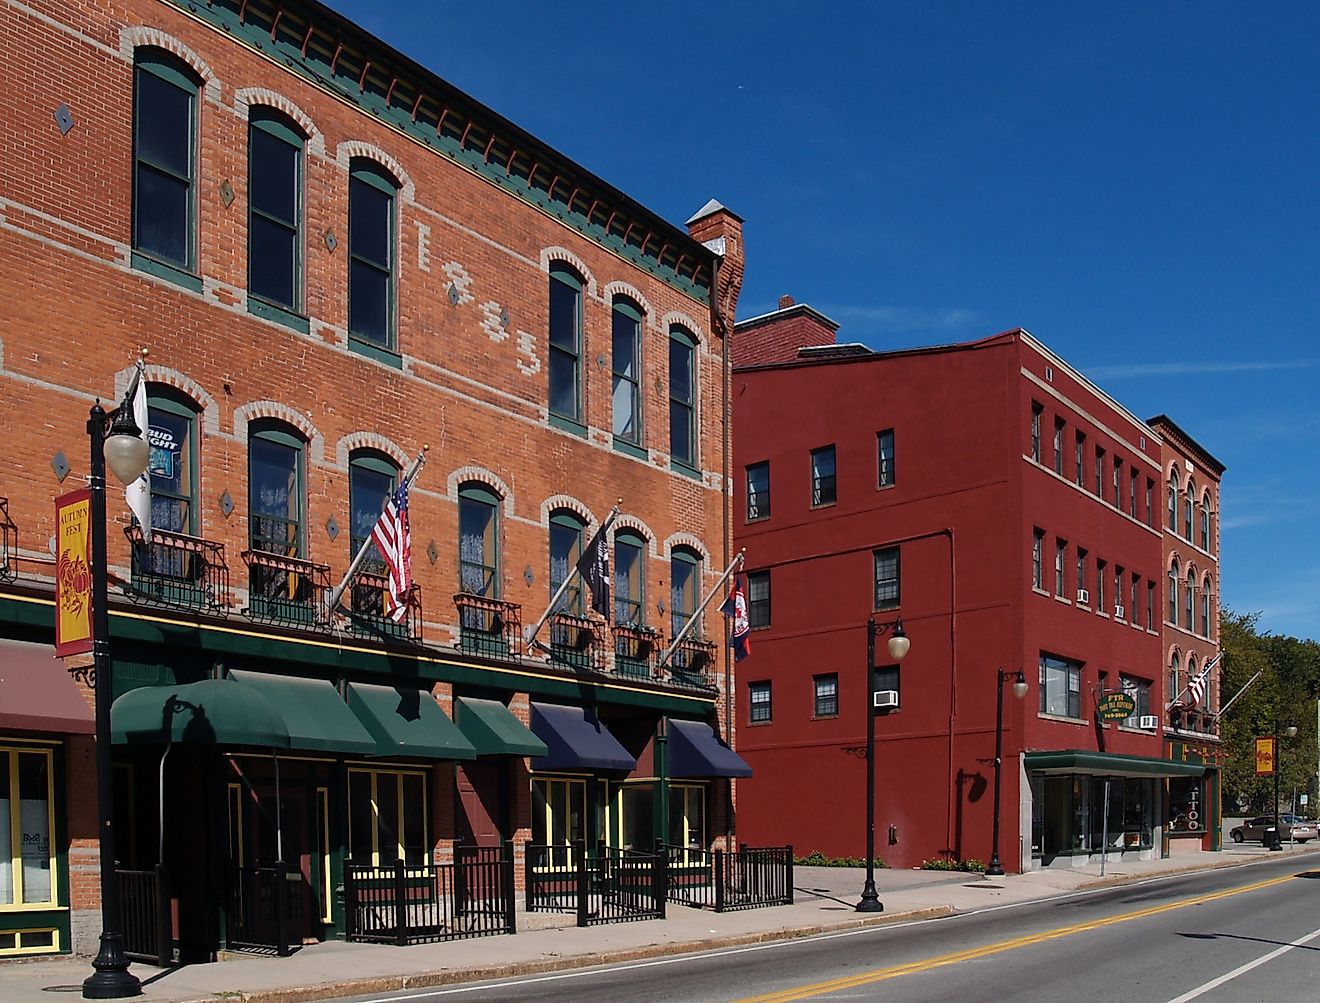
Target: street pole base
(112, 980)
(870, 900)
(994, 869)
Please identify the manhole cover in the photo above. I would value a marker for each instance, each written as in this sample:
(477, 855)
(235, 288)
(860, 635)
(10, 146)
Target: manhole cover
(61, 989)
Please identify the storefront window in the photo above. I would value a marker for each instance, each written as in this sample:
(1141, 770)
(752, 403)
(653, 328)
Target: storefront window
(1186, 812)
(1130, 816)
(638, 808)
(559, 818)
(687, 817)
(27, 862)
(387, 818)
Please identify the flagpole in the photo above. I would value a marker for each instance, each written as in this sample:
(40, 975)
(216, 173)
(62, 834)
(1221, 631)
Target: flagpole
(568, 580)
(1250, 682)
(333, 602)
(692, 620)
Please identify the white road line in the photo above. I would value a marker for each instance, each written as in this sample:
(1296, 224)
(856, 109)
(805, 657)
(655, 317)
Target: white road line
(1242, 970)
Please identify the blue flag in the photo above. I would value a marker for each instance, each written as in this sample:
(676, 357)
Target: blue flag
(740, 633)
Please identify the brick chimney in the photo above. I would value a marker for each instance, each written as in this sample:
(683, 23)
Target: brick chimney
(777, 336)
(721, 230)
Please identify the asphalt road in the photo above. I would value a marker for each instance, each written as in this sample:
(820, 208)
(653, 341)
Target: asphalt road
(1248, 933)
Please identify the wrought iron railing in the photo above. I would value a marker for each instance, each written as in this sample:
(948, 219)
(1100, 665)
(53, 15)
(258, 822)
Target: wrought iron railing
(175, 569)
(692, 664)
(398, 904)
(367, 596)
(285, 589)
(635, 650)
(577, 641)
(145, 915)
(748, 878)
(264, 904)
(608, 885)
(8, 544)
(489, 626)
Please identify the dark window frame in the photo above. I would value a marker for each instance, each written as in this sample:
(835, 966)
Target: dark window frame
(270, 123)
(565, 347)
(166, 68)
(630, 609)
(885, 454)
(758, 607)
(625, 313)
(475, 493)
(572, 601)
(757, 506)
(825, 695)
(892, 586)
(1052, 669)
(683, 409)
(824, 487)
(760, 702)
(366, 176)
(276, 433)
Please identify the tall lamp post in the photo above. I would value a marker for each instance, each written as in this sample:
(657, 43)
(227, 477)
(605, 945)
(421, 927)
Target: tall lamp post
(995, 868)
(898, 648)
(1291, 732)
(118, 442)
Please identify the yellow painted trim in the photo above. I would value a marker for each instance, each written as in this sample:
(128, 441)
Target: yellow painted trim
(942, 960)
(11, 754)
(15, 740)
(31, 907)
(13, 952)
(323, 809)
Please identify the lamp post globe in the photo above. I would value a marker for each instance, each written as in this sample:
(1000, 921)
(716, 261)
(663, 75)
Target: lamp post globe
(899, 643)
(1291, 731)
(126, 451)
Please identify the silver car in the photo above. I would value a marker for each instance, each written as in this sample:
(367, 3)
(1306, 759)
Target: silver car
(1290, 828)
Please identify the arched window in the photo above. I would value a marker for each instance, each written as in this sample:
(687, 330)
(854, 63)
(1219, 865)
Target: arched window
(566, 531)
(276, 520)
(478, 541)
(165, 160)
(1175, 665)
(684, 588)
(1173, 592)
(1205, 521)
(629, 577)
(1205, 606)
(565, 361)
(1189, 503)
(682, 397)
(372, 194)
(1173, 508)
(1188, 598)
(1191, 671)
(372, 478)
(275, 209)
(627, 353)
(172, 436)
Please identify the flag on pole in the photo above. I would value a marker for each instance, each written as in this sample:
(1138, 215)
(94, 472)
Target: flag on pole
(1196, 688)
(735, 607)
(393, 539)
(594, 567)
(138, 494)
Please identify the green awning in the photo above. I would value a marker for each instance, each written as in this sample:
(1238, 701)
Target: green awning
(1108, 764)
(406, 721)
(493, 730)
(316, 718)
(212, 711)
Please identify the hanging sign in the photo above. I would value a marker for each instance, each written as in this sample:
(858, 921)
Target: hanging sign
(73, 574)
(1115, 706)
(1264, 756)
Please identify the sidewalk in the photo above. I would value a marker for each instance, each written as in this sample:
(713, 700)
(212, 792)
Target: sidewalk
(825, 898)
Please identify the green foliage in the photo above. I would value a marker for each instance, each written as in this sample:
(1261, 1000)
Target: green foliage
(971, 865)
(817, 859)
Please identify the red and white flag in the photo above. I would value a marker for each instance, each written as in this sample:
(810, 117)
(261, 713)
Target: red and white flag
(393, 539)
(1196, 688)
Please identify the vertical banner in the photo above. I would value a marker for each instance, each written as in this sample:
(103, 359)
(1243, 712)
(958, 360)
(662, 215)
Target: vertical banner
(73, 573)
(1264, 756)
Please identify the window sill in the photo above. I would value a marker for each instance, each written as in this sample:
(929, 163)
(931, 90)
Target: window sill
(886, 487)
(280, 315)
(1102, 613)
(758, 724)
(567, 425)
(750, 520)
(1063, 599)
(1040, 591)
(1081, 722)
(630, 449)
(171, 273)
(824, 504)
(679, 467)
(375, 352)
(824, 717)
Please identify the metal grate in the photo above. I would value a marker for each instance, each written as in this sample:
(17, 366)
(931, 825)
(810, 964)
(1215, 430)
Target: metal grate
(750, 878)
(577, 641)
(608, 886)
(285, 590)
(367, 595)
(692, 663)
(489, 626)
(8, 544)
(178, 570)
(634, 650)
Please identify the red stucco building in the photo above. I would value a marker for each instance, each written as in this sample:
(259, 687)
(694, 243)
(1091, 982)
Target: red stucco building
(1010, 513)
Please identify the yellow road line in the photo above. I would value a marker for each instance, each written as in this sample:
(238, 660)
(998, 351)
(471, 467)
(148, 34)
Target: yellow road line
(940, 961)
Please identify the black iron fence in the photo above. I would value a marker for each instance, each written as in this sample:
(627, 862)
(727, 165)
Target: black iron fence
(263, 905)
(749, 878)
(607, 886)
(401, 904)
(146, 920)
(175, 569)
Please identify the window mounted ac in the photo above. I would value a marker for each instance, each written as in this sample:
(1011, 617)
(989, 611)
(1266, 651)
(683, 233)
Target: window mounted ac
(1084, 597)
(1148, 721)
(885, 700)
(1118, 612)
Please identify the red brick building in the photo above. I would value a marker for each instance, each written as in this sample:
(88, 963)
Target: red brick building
(336, 258)
(1009, 512)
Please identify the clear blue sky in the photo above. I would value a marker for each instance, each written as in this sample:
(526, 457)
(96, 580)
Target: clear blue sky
(1135, 184)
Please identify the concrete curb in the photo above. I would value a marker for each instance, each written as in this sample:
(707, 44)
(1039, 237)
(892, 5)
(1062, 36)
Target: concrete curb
(451, 976)
(1116, 880)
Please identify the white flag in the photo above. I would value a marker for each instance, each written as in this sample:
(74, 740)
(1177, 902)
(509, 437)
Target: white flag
(138, 494)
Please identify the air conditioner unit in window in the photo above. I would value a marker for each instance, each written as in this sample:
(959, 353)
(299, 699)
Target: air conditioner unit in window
(885, 699)
(1084, 597)
(1118, 612)
(1148, 721)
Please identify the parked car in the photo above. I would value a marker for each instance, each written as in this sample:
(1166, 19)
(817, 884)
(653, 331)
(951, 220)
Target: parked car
(1290, 827)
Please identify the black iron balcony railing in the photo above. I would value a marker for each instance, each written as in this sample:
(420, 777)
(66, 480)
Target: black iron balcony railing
(489, 626)
(285, 590)
(8, 544)
(368, 595)
(577, 641)
(692, 663)
(175, 569)
(635, 648)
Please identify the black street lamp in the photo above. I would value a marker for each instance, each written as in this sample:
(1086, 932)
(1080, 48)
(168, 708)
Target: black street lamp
(995, 868)
(1291, 732)
(898, 648)
(116, 441)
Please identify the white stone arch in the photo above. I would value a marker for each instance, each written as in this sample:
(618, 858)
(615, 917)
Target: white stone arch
(246, 97)
(247, 413)
(572, 504)
(692, 543)
(480, 475)
(351, 148)
(625, 520)
(138, 36)
(626, 289)
(346, 446)
(549, 255)
(677, 318)
(207, 405)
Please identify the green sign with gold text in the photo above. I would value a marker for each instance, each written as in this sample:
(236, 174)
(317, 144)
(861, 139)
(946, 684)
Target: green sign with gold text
(1115, 706)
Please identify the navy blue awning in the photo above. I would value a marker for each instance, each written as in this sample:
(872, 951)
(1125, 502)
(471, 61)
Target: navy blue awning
(696, 751)
(576, 740)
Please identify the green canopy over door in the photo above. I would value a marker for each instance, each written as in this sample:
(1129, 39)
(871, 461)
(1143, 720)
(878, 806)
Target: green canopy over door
(315, 715)
(406, 721)
(493, 730)
(211, 711)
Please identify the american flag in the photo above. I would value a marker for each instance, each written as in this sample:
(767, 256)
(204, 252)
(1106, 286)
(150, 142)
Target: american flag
(394, 541)
(1196, 688)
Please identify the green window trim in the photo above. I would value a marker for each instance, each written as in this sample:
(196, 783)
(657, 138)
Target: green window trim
(373, 462)
(151, 67)
(683, 601)
(683, 396)
(572, 600)
(489, 565)
(276, 125)
(161, 398)
(376, 179)
(626, 316)
(565, 347)
(630, 608)
(269, 430)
